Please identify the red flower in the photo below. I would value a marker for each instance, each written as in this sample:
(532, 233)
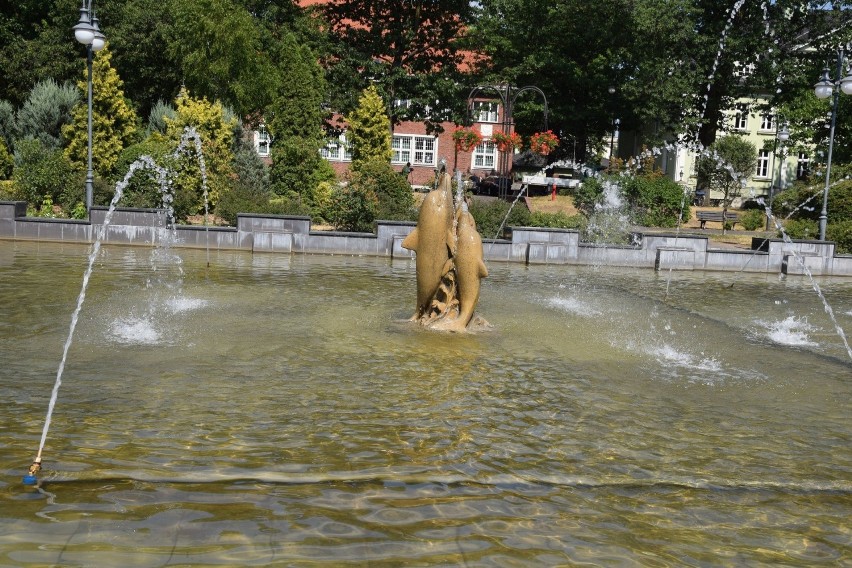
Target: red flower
(543, 142)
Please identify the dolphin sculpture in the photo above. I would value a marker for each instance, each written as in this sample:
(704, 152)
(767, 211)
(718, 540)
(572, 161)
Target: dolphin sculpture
(470, 269)
(432, 241)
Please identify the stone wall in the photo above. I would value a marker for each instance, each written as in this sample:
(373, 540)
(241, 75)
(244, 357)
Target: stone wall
(531, 245)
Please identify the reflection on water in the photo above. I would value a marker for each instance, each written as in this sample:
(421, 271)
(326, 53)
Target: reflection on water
(277, 410)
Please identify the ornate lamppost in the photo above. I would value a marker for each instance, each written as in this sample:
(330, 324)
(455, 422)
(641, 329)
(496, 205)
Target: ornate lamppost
(89, 34)
(824, 89)
(782, 134)
(508, 95)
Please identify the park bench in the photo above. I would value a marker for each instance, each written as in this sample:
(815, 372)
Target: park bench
(704, 216)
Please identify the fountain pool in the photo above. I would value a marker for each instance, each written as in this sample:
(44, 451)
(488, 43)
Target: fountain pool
(273, 410)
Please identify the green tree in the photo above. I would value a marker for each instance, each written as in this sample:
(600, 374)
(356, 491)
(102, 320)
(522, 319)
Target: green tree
(216, 132)
(139, 33)
(729, 161)
(36, 44)
(296, 125)
(114, 123)
(369, 130)
(218, 45)
(413, 51)
(46, 111)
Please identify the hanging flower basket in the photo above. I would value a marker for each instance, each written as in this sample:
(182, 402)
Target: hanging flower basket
(466, 139)
(506, 142)
(543, 142)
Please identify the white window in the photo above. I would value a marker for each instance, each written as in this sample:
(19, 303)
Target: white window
(741, 119)
(485, 111)
(415, 150)
(803, 165)
(337, 149)
(767, 122)
(762, 164)
(424, 150)
(261, 141)
(485, 156)
(401, 146)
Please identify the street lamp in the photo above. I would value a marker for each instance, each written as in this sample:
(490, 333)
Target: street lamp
(88, 33)
(782, 134)
(615, 134)
(824, 89)
(508, 96)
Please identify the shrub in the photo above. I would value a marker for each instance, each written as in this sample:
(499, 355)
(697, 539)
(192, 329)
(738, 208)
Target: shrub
(143, 189)
(41, 172)
(841, 234)
(655, 200)
(353, 208)
(7, 162)
(753, 219)
(489, 217)
(7, 190)
(588, 195)
(801, 229)
(395, 201)
(46, 110)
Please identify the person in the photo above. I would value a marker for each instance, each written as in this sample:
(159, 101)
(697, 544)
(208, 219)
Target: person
(406, 170)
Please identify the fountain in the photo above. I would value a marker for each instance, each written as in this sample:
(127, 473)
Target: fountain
(449, 261)
(280, 413)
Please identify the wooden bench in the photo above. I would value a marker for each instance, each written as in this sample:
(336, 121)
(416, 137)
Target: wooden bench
(704, 216)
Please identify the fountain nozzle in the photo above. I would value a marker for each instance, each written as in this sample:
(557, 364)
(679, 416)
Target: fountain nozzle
(30, 478)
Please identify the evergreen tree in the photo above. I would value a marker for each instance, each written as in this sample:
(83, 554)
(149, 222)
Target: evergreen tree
(216, 131)
(369, 130)
(114, 122)
(296, 125)
(7, 123)
(46, 111)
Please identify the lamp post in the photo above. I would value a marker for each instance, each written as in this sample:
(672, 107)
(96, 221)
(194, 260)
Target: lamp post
(782, 134)
(508, 95)
(824, 89)
(89, 34)
(616, 124)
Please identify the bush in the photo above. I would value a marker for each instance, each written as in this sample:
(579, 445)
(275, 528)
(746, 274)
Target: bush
(242, 199)
(143, 189)
(7, 162)
(490, 216)
(7, 190)
(801, 229)
(41, 172)
(375, 191)
(656, 200)
(588, 195)
(353, 209)
(47, 109)
(841, 234)
(753, 219)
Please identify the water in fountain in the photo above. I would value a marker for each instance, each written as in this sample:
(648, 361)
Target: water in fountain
(136, 327)
(610, 222)
(143, 162)
(191, 135)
